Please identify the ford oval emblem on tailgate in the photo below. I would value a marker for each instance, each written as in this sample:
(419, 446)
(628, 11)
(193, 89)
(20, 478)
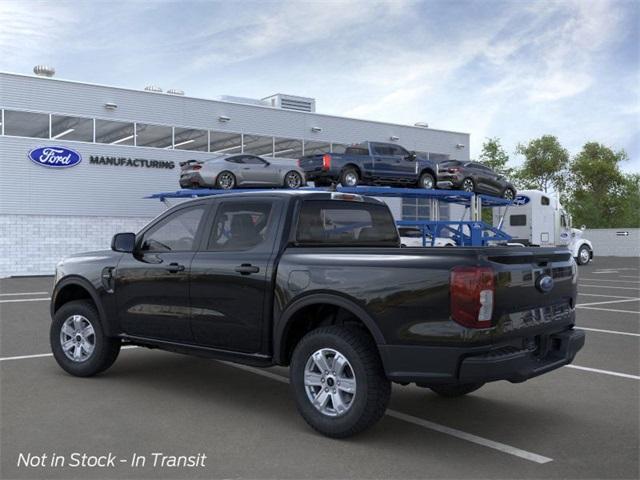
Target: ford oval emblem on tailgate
(544, 283)
(55, 157)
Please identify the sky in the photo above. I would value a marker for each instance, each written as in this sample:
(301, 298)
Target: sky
(509, 69)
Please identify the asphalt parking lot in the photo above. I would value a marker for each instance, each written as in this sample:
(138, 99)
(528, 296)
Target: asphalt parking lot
(574, 422)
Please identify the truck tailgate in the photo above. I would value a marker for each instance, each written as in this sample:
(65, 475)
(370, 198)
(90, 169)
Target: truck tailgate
(535, 289)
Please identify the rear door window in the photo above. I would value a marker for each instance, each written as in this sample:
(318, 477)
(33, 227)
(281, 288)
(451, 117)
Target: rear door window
(345, 223)
(242, 225)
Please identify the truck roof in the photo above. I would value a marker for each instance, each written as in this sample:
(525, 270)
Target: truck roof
(307, 194)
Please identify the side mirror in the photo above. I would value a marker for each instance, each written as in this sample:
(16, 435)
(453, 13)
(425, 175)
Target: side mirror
(412, 155)
(123, 242)
(266, 164)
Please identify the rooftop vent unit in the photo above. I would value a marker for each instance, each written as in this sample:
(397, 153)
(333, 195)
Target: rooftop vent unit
(44, 71)
(153, 88)
(291, 102)
(421, 124)
(175, 91)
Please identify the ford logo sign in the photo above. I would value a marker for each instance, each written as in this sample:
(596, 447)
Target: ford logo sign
(544, 283)
(521, 200)
(55, 157)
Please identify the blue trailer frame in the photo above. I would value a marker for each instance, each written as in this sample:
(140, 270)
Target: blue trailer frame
(473, 232)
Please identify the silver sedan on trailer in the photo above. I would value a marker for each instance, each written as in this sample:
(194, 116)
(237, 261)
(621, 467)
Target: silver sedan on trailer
(241, 170)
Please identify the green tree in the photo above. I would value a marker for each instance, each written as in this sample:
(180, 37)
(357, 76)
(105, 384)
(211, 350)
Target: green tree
(494, 156)
(600, 195)
(545, 164)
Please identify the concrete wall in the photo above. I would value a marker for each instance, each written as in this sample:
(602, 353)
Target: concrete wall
(607, 242)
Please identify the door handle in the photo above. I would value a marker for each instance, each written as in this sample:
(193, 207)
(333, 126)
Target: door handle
(175, 268)
(247, 269)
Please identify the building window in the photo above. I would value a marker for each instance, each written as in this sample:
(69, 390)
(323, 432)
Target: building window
(314, 148)
(415, 209)
(258, 145)
(157, 136)
(225, 142)
(71, 128)
(114, 133)
(26, 124)
(287, 148)
(190, 139)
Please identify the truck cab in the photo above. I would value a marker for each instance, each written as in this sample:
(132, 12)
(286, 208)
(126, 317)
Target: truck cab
(538, 219)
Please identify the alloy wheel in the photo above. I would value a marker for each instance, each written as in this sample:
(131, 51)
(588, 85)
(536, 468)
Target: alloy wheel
(330, 382)
(467, 185)
(351, 179)
(293, 180)
(226, 181)
(77, 338)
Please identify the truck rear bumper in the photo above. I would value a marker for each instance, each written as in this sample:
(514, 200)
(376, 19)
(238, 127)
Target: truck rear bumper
(447, 365)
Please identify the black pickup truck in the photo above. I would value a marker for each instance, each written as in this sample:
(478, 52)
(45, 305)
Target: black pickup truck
(371, 163)
(318, 281)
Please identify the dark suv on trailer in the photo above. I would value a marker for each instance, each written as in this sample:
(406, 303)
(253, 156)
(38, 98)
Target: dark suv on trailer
(474, 177)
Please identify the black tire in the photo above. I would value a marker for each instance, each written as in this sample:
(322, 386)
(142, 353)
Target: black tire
(584, 255)
(425, 179)
(105, 351)
(221, 182)
(468, 185)
(508, 194)
(287, 183)
(456, 390)
(347, 175)
(373, 389)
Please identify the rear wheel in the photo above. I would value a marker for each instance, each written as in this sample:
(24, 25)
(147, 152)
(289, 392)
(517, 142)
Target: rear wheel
(349, 177)
(456, 390)
(427, 181)
(78, 341)
(468, 185)
(338, 381)
(293, 180)
(584, 255)
(226, 180)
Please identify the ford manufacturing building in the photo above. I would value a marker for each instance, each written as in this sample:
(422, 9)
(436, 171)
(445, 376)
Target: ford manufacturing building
(129, 144)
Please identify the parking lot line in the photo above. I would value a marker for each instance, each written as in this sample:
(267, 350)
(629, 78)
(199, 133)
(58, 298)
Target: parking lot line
(609, 310)
(608, 301)
(469, 437)
(17, 300)
(615, 332)
(22, 293)
(606, 372)
(613, 287)
(607, 280)
(601, 295)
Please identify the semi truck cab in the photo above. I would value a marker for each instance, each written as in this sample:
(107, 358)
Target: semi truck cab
(538, 219)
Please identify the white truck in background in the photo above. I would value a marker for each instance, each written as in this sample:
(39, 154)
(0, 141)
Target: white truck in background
(538, 219)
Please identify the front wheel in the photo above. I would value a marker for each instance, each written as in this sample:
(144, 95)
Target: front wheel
(509, 194)
(427, 181)
(293, 180)
(78, 341)
(338, 381)
(584, 255)
(456, 390)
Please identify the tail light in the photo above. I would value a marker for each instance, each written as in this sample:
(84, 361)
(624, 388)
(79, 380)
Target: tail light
(326, 161)
(472, 291)
(453, 170)
(196, 167)
(299, 162)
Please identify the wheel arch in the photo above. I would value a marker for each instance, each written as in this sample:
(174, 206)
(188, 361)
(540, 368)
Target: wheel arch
(294, 314)
(354, 166)
(77, 288)
(430, 171)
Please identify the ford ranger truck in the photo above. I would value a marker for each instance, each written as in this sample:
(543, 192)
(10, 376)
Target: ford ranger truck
(318, 281)
(371, 163)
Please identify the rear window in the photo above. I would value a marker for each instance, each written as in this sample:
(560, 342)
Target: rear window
(356, 151)
(341, 223)
(518, 220)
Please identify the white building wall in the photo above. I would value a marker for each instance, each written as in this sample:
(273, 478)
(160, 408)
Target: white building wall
(612, 242)
(33, 244)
